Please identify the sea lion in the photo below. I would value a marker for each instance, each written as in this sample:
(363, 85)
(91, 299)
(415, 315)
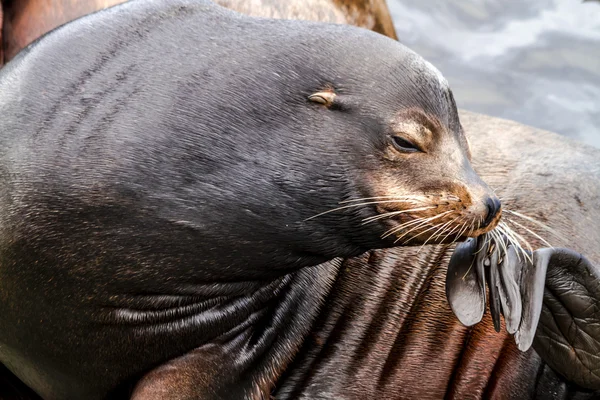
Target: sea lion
(387, 331)
(182, 230)
(475, 362)
(27, 20)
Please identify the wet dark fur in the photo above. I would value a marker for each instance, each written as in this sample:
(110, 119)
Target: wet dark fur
(371, 340)
(113, 259)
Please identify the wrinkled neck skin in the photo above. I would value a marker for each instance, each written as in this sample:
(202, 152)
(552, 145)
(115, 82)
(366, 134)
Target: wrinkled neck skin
(388, 333)
(246, 361)
(242, 335)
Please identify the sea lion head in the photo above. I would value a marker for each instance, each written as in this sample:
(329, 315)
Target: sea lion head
(301, 143)
(411, 159)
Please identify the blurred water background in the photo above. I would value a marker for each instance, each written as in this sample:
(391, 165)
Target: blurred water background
(534, 61)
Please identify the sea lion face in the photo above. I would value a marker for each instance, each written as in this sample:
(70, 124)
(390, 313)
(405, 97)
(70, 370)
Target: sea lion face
(416, 170)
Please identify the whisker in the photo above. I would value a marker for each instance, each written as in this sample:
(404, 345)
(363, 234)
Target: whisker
(459, 234)
(430, 229)
(425, 221)
(472, 226)
(394, 229)
(521, 238)
(430, 236)
(422, 225)
(511, 239)
(384, 197)
(444, 228)
(530, 231)
(392, 213)
(499, 239)
(451, 230)
(487, 238)
(469, 270)
(542, 225)
(350, 206)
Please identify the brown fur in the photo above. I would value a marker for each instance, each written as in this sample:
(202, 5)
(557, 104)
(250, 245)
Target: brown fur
(1, 31)
(26, 20)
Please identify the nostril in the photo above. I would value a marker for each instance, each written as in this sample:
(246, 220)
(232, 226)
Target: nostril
(493, 208)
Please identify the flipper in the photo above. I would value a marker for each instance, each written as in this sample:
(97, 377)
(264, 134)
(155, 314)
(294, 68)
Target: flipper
(532, 282)
(568, 335)
(556, 287)
(510, 294)
(465, 288)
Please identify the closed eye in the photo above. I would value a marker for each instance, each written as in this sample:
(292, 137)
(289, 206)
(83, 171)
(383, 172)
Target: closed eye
(404, 145)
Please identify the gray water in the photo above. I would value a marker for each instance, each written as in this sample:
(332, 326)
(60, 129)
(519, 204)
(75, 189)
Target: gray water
(535, 61)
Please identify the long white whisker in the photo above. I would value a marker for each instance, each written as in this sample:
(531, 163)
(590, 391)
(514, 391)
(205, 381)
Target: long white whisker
(425, 221)
(532, 232)
(511, 238)
(402, 226)
(384, 197)
(487, 238)
(422, 223)
(521, 238)
(393, 213)
(444, 228)
(458, 235)
(432, 235)
(498, 236)
(350, 206)
(546, 227)
(456, 228)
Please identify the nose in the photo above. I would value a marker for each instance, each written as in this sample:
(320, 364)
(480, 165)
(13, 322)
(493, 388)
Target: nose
(493, 208)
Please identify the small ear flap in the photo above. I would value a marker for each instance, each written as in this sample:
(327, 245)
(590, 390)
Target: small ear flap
(465, 284)
(325, 97)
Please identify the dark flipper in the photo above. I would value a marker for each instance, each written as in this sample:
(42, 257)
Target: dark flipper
(493, 278)
(557, 285)
(510, 294)
(465, 287)
(533, 277)
(568, 336)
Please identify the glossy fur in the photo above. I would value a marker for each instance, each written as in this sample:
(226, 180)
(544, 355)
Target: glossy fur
(156, 205)
(388, 310)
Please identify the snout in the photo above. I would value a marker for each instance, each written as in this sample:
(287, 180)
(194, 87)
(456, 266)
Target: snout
(493, 210)
(486, 209)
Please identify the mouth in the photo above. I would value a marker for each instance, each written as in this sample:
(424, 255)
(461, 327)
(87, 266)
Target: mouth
(488, 226)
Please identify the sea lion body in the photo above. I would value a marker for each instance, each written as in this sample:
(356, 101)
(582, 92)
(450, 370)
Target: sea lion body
(379, 331)
(152, 206)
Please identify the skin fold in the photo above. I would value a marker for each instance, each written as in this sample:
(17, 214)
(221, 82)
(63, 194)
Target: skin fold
(380, 295)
